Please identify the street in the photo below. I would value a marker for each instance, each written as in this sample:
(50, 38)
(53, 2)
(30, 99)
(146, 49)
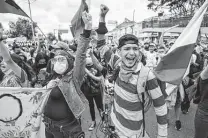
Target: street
(151, 126)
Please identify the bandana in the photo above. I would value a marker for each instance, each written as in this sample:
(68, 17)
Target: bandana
(126, 73)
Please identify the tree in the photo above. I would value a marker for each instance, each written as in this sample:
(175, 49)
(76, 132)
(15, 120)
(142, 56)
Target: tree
(22, 27)
(177, 7)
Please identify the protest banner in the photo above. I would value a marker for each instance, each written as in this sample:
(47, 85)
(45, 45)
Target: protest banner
(20, 112)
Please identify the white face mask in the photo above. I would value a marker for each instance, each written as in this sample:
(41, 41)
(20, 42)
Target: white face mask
(60, 68)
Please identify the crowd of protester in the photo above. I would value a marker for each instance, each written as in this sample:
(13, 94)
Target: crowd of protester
(88, 64)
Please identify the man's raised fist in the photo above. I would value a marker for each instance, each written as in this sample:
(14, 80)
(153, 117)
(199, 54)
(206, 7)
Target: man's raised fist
(103, 10)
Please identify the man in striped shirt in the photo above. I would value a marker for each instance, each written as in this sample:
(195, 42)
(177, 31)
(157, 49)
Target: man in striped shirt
(127, 107)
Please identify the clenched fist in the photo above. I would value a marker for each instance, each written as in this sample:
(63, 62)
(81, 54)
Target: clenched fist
(103, 10)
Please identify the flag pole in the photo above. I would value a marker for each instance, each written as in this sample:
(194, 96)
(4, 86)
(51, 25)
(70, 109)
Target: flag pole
(33, 33)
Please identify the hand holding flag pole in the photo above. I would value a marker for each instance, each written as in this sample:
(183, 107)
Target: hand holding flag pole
(161, 43)
(87, 19)
(77, 24)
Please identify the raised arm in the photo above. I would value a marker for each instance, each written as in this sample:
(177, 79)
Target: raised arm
(92, 76)
(96, 62)
(4, 52)
(102, 29)
(83, 43)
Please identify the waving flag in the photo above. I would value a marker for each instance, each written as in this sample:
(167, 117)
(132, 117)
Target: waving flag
(77, 22)
(173, 65)
(10, 6)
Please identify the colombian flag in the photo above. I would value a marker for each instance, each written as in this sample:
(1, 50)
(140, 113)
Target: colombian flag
(174, 64)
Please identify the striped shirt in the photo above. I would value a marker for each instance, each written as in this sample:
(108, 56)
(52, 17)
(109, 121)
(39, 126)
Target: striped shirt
(126, 111)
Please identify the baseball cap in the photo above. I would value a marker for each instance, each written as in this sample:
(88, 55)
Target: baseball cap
(128, 39)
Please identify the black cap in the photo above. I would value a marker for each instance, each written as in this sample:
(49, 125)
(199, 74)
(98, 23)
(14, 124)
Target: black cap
(128, 39)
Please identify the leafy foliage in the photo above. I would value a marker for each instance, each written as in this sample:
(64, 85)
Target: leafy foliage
(22, 27)
(180, 7)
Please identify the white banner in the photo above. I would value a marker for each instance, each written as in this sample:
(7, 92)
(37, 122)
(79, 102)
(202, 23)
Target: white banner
(20, 112)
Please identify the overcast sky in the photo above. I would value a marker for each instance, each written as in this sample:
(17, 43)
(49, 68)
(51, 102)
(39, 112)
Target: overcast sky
(50, 14)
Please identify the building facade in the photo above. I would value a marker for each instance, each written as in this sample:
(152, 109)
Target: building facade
(153, 27)
(126, 27)
(168, 21)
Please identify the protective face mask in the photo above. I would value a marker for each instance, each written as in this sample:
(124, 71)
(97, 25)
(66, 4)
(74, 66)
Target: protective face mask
(60, 68)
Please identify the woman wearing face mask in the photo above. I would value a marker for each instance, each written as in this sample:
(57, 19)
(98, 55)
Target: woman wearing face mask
(39, 67)
(66, 102)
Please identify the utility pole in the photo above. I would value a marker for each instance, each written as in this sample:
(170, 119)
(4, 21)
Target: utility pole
(133, 14)
(132, 27)
(31, 18)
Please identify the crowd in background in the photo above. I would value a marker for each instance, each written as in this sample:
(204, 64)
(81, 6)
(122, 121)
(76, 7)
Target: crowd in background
(92, 62)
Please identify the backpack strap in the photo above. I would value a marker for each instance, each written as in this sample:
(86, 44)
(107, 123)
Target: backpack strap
(142, 80)
(141, 88)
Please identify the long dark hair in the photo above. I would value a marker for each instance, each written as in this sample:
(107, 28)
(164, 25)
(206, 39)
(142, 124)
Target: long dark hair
(40, 56)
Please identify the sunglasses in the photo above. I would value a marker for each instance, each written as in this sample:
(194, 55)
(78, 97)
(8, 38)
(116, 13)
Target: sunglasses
(58, 59)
